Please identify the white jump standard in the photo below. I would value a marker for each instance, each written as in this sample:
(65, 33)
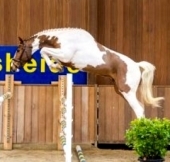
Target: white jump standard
(66, 119)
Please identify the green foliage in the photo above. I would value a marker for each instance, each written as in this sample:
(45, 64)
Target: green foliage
(149, 137)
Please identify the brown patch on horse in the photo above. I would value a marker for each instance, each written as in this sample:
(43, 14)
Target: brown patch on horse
(114, 67)
(69, 64)
(47, 41)
(29, 41)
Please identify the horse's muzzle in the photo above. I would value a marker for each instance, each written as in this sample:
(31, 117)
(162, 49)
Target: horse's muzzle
(13, 68)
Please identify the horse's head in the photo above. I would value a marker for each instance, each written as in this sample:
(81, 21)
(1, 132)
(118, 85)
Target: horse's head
(22, 55)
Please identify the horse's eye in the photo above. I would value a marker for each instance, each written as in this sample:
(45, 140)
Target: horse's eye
(18, 50)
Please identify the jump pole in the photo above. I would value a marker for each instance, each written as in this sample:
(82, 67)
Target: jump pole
(80, 154)
(66, 117)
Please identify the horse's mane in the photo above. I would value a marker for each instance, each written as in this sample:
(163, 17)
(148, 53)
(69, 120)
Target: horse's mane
(56, 29)
(46, 31)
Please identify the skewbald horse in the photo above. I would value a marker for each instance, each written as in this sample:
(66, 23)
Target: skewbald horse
(76, 48)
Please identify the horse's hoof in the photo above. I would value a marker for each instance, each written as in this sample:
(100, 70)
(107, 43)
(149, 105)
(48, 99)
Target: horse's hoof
(60, 70)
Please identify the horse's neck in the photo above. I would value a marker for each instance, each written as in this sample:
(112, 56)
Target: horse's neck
(110, 50)
(35, 45)
(43, 36)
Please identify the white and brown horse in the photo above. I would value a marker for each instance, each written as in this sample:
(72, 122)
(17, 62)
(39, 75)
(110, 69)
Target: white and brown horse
(76, 48)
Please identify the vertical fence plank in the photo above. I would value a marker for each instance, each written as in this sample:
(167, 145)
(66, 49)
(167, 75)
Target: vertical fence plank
(46, 15)
(84, 115)
(20, 115)
(92, 115)
(107, 23)
(102, 120)
(56, 106)
(115, 116)
(109, 121)
(35, 107)
(49, 114)
(121, 118)
(10, 22)
(168, 42)
(145, 28)
(36, 21)
(23, 19)
(2, 20)
(120, 25)
(15, 109)
(160, 93)
(151, 31)
(41, 114)
(1, 116)
(154, 111)
(77, 115)
(157, 54)
(28, 113)
(167, 103)
(139, 32)
(163, 61)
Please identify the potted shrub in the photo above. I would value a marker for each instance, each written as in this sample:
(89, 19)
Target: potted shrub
(149, 138)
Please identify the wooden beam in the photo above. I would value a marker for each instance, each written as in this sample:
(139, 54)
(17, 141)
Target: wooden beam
(54, 83)
(62, 90)
(16, 82)
(8, 113)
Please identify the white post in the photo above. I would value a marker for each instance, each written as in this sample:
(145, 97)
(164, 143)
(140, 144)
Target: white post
(69, 120)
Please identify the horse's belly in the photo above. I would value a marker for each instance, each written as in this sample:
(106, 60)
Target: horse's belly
(82, 60)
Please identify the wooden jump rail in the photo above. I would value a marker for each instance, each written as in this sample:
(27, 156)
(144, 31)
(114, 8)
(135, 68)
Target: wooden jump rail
(8, 112)
(9, 84)
(64, 141)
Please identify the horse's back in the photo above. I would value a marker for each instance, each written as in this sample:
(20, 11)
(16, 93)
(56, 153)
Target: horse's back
(68, 34)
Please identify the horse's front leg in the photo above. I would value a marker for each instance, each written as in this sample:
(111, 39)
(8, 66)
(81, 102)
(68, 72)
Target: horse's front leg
(50, 63)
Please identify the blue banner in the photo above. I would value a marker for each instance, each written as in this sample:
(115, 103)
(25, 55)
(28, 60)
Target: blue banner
(35, 72)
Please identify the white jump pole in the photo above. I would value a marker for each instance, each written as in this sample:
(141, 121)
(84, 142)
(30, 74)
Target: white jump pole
(80, 154)
(69, 119)
(66, 121)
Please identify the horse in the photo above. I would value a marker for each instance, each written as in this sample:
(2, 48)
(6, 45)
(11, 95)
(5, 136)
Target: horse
(77, 48)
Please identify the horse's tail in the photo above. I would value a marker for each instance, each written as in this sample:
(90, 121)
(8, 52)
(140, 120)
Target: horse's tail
(147, 77)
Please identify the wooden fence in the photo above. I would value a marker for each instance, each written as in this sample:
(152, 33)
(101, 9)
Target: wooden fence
(33, 115)
(100, 115)
(115, 113)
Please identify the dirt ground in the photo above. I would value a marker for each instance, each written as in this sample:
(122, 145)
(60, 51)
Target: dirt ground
(92, 155)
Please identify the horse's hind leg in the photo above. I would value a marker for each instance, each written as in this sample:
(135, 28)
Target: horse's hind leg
(127, 83)
(129, 93)
(134, 103)
(130, 96)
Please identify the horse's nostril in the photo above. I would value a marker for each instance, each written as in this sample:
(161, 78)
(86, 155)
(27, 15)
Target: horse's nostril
(12, 69)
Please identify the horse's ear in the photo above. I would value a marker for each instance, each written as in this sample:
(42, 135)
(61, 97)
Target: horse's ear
(21, 40)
